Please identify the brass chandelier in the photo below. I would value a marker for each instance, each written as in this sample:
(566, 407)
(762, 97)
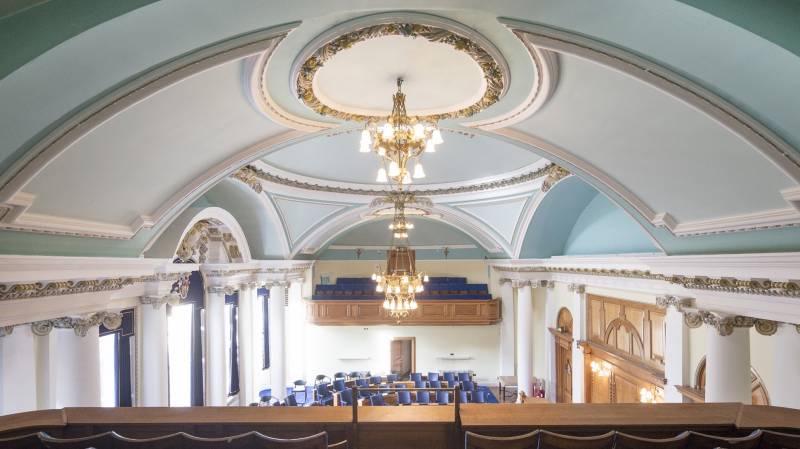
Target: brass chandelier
(400, 282)
(399, 140)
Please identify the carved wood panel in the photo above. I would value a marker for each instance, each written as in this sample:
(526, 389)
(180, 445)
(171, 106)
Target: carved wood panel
(430, 312)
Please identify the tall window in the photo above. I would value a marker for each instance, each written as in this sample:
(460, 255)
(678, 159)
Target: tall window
(116, 363)
(179, 344)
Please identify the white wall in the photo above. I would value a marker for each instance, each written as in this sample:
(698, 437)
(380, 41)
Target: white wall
(328, 345)
(18, 371)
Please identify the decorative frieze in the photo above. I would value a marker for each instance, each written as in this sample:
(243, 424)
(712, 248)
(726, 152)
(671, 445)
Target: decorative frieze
(674, 301)
(221, 289)
(81, 326)
(726, 324)
(577, 288)
(71, 287)
(172, 299)
(555, 173)
(758, 286)
(248, 176)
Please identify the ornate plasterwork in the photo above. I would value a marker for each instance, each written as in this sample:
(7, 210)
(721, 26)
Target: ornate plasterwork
(248, 176)
(493, 75)
(725, 325)
(71, 287)
(555, 173)
(195, 244)
(479, 187)
(759, 286)
(81, 326)
(7, 330)
(577, 288)
(674, 301)
(156, 301)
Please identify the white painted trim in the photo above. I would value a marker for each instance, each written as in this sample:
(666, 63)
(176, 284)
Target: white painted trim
(776, 218)
(525, 222)
(792, 196)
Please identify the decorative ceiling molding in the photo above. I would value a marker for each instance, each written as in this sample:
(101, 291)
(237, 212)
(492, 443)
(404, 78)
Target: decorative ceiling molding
(412, 25)
(772, 146)
(466, 188)
(27, 290)
(765, 287)
(81, 326)
(51, 145)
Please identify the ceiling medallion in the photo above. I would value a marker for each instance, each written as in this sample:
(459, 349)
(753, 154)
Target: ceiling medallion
(492, 73)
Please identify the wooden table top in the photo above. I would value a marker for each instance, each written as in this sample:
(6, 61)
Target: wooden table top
(170, 415)
(408, 414)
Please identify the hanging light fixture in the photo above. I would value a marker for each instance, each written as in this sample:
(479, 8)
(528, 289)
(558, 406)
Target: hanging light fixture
(399, 140)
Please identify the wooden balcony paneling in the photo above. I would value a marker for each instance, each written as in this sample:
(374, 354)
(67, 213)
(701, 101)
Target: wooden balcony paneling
(430, 312)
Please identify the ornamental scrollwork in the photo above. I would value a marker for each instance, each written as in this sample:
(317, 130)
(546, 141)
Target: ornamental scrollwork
(81, 326)
(248, 176)
(491, 69)
(555, 173)
(726, 325)
(577, 288)
(678, 303)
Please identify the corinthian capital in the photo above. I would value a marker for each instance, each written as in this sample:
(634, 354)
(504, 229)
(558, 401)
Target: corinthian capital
(156, 301)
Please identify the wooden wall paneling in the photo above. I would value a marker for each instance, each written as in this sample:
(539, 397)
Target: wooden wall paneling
(430, 312)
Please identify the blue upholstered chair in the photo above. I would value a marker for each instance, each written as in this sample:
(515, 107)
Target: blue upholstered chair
(468, 385)
(423, 397)
(450, 377)
(321, 379)
(416, 377)
(340, 375)
(479, 396)
(346, 397)
(433, 376)
(299, 387)
(376, 399)
(324, 395)
(464, 376)
(435, 384)
(338, 385)
(291, 400)
(375, 380)
(401, 386)
(442, 397)
(462, 396)
(420, 384)
(354, 374)
(363, 383)
(391, 378)
(404, 397)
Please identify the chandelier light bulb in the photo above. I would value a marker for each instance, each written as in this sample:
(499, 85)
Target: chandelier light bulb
(365, 139)
(419, 131)
(387, 130)
(413, 304)
(394, 169)
(425, 278)
(379, 288)
(386, 304)
(419, 172)
(381, 175)
(364, 148)
(436, 137)
(374, 276)
(407, 179)
(430, 147)
(381, 151)
(409, 225)
(404, 279)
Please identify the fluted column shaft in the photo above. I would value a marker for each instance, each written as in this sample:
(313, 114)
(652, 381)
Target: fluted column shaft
(507, 329)
(216, 388)
(154, 356)
(728, 366)
(676, 354)
(277, 343)
(525, 339)
(786, 392)
(245, 337)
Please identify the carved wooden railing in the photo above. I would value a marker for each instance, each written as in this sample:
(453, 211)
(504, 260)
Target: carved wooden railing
(342, 312)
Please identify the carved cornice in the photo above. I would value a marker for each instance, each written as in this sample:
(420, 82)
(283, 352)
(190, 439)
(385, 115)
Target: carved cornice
(555, 173)
(172, 299)
(71, 287)
(577, 288)
(759, 286)
(470, 188)
(81, 326)
(293, 270)
(726, 325)
(492, 73)
(7, 330)
(221, 289)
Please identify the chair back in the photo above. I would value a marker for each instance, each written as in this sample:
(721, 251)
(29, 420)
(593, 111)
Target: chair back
(463, 397)
(443, 397)
(625, 441)
(338, 385)
(778, 440)
(30, 441)
(479, 396)
(477, 441)
(170, 441)
(322, 379)
(355, 374)
(449, 376)
(299, 383)
(435, 384)
(376, 399)
(375, 380)
(404, 397)
(423, 397)
(339, 375)
(99, 441)
(323, 391)
(433, 376)
(420, 384)
(416, 377)
(391, 378)
(467, 385)
(346, 397)
(399, 386)
(464, 376)
(550, 440)
(703, 441)
(291, 400)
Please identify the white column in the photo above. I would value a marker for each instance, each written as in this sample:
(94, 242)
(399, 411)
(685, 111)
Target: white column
(578, 335)
(17, 370)
(295, 317)
(247, 293)
(728, 366)
(277, 345)
(786, 391)
(75, 367)
(216, 390)
(153, 350)
(525, 339)
(676, 354)
(550, 344)
(506, 328)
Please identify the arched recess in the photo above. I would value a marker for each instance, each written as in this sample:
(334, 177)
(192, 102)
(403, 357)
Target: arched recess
(575, 219)
(622, 334)
(564, 321)
(757, 388)
(210, 235)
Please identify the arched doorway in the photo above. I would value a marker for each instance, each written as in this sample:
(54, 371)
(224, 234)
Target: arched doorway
(563, 355)
(757, 388)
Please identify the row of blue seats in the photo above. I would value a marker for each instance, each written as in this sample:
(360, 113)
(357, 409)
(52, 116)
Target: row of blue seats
(431, 280)
(468, 393)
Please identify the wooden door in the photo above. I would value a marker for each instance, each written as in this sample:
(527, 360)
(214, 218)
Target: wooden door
(402, 355)
(563, 371)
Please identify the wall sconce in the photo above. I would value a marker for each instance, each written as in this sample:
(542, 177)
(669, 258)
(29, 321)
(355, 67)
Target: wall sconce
(651, 396)
(602, 369)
